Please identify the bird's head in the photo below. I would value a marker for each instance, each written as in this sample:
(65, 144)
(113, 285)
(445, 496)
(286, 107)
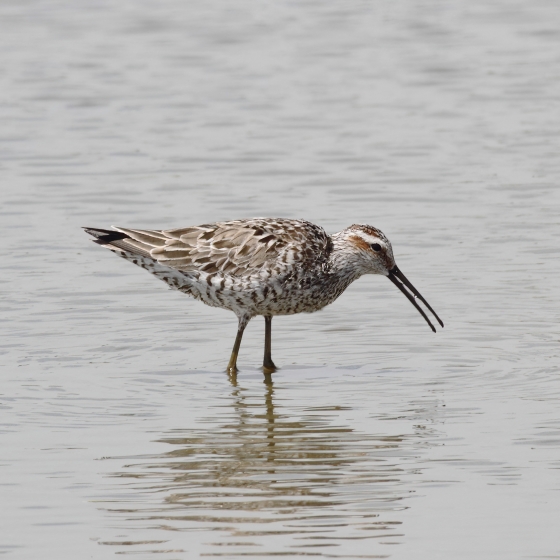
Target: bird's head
(370, 252)
(370, 248)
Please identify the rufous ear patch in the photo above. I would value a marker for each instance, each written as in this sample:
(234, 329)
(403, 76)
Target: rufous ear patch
(359, 242)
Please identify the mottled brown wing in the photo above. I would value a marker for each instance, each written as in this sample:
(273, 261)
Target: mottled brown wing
(237, 248)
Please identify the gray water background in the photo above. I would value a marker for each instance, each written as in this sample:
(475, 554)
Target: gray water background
(437, 122)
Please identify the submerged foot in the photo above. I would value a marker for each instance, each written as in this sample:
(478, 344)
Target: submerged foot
(269, 367)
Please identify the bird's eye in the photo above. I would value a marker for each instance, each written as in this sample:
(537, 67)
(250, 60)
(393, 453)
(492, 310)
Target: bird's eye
(376, 246)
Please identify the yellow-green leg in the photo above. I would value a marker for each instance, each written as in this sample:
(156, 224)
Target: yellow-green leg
(232, 365)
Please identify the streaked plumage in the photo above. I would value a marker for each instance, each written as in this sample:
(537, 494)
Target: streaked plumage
(260, 266)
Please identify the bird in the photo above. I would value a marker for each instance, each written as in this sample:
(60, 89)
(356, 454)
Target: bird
(261, 266)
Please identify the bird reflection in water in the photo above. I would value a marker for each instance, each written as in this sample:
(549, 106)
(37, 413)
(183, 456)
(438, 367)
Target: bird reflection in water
(287, 481)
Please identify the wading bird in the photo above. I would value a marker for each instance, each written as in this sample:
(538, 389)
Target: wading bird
(261, 266)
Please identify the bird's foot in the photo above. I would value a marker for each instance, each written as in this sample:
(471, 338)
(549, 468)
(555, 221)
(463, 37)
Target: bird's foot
(269, 367)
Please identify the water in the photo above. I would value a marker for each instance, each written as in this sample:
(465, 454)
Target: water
(436, 122)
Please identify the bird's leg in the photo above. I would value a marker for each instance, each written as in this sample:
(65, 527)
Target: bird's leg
(268, 364)
(232, 365)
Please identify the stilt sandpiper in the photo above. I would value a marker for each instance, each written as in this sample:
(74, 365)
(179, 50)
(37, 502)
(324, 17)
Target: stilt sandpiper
(261, 266)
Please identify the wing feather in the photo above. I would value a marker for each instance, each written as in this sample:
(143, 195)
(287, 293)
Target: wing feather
(237, 248)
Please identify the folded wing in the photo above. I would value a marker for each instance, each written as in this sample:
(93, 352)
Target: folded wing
(237, 248)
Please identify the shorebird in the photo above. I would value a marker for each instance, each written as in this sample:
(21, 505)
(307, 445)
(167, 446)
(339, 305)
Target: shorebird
(261, 266)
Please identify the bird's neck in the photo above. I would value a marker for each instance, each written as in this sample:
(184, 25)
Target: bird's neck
(344, 264)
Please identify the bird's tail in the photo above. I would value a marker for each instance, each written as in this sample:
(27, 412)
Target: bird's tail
(104, 236)
(135, 245)
(119, 241)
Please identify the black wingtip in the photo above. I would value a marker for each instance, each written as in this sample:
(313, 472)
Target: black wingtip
(105, 236)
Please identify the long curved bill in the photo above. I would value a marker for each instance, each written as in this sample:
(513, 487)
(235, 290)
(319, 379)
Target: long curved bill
(400, 281)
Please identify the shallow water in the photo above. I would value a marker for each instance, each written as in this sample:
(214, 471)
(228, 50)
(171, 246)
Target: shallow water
(121, 434)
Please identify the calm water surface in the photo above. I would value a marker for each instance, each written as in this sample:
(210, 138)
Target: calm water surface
(120, 432)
